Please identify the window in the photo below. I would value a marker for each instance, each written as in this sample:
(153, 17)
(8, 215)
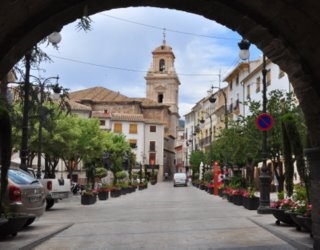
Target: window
(133, 128)
(152, 146)
(153, 128)
(268, 77)
(152, 159)
(117, 128)
(258, 83)
(230, 85)
(102, 122)
(160, 98)
(237, 80)
(248, 92)
(133, 143)
(162, 65)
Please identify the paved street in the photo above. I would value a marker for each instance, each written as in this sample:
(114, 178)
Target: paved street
(160, 217)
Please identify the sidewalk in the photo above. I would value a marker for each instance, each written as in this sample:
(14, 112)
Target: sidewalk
(48, 226)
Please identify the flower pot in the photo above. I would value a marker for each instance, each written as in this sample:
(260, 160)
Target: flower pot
(301, 222)
(115, 192)
(237, 200)
(103, 195)
(251, 203)
(88, 199)
(153, 181)
(282, 216)
(230, 198)
(305, 222)
(210, 190)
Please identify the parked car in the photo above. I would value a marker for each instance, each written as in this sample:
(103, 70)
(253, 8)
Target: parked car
(180, 179)
(25, 195)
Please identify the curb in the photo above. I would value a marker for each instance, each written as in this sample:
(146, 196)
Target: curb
(279, 234)
(45, 237)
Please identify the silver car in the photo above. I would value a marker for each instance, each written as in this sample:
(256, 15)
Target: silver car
(24, 194)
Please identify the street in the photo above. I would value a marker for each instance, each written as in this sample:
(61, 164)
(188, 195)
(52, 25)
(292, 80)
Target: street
(159, 217)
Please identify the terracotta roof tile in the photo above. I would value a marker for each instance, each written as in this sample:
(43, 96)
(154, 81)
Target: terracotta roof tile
(97, 94)
(77, 106)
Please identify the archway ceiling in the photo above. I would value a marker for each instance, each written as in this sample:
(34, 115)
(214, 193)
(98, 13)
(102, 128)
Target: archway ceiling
(286, 30)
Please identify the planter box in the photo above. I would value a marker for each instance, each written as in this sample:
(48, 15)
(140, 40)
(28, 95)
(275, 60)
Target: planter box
(88, 199)
(282, 216)
(237, 200)
(230, 198)
(251, 203)
(115, 193)
(210, 190)
(301, 222)
(103, 195)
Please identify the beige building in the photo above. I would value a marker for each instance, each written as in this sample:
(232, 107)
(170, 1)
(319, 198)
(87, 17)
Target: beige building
(150, 124)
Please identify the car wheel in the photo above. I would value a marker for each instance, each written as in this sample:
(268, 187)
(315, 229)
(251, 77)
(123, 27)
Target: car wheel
(50, 203)
(29, 221)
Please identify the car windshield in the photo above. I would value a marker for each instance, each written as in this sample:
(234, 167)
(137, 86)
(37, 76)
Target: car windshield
(20, 177)
(180, 175)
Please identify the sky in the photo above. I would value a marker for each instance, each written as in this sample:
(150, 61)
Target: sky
(116, 52)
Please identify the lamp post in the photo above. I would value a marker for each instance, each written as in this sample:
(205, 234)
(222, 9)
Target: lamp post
(210, 134)
(212, 99)
(41, 114)
(25, 113)
(264, 177)
(54, 38)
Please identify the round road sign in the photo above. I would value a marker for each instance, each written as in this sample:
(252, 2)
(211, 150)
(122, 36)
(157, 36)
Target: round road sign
(264, 122)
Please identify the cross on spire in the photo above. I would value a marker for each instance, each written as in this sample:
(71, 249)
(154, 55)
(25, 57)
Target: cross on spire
(164, 36)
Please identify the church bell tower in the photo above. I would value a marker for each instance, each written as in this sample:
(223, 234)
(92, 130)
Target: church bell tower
(162, 80)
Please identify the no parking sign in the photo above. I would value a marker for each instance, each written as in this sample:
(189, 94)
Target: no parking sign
(264, 122)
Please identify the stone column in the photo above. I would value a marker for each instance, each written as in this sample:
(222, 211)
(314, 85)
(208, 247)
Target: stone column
(313, 157)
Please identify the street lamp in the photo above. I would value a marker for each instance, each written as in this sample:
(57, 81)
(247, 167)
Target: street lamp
(212, 99)
(54, 38)
(41, 113)
(210, 134)
(264, 177)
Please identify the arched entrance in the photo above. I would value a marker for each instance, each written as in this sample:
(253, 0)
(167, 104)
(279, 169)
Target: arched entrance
(287, 32)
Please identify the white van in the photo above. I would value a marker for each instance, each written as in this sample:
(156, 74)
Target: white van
(180, 179)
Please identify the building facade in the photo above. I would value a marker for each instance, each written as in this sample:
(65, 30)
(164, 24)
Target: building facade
(209, 115)
(149, 124)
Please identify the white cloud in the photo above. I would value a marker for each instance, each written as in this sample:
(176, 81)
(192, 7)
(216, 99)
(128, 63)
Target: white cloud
(125, 38)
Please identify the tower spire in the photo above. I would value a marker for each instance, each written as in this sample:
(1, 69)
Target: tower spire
(164, 36)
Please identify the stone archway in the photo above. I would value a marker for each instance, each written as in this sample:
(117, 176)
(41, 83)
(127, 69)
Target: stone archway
(286, 31)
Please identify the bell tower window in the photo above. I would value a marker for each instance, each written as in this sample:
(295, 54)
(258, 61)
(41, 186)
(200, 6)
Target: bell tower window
(162, 65)
(160, 98)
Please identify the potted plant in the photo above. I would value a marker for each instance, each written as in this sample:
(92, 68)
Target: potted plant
(221, 189)
(208, 179)
(88, 195)
(249, 200)
(153, 177)
(300, 211)
(103, 191)
(279, 208)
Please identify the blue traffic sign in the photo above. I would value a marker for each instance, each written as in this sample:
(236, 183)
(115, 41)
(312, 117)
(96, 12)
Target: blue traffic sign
(264, 122)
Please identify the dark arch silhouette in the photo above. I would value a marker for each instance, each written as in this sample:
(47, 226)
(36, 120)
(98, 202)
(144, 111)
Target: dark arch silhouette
(286, 31)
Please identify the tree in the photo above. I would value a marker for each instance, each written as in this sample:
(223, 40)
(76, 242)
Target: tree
(115, 146)
(196, 158)
(87, 143)
(293, 152)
